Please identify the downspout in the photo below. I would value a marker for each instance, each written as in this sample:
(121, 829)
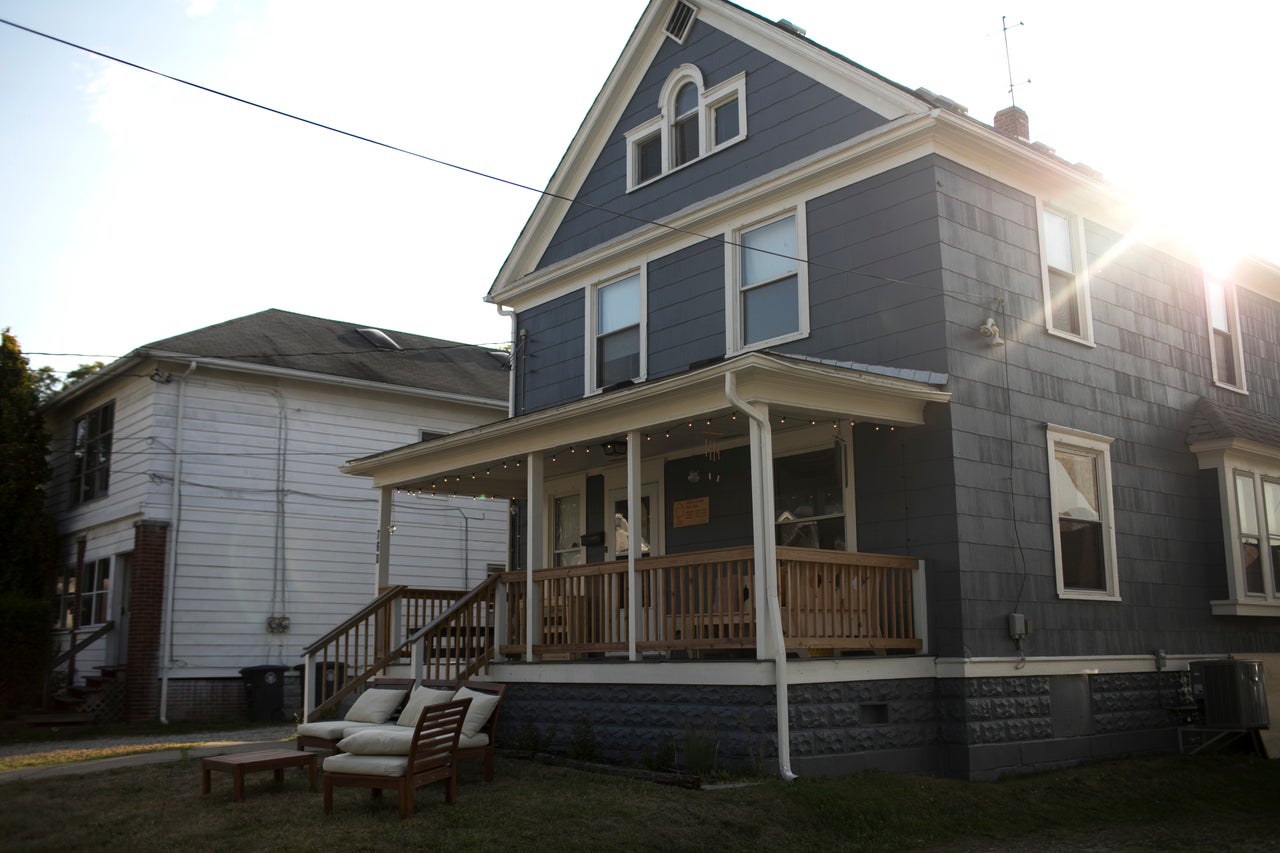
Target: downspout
(171, 557)
(767, 556)
(511, 362)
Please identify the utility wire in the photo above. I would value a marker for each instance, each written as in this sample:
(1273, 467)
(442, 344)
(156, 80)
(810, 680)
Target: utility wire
(476, 172)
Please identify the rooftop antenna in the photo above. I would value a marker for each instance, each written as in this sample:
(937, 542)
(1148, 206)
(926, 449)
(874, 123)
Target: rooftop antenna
(1007, 61)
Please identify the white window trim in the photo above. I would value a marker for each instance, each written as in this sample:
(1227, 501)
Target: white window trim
(592, 328)
(1233, 320)
(733, 283)
(574, 486)
(1262, 463)
(664, 123)
(1078, 257)
(1100, 447)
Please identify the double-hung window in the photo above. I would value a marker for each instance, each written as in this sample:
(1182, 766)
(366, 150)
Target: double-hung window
(769, 291)
(1083, 517)
(93, 591)
(1224, 338)
(1066, 279)
(566, 533)
(693, 121)
(1257, 534)
(618, 346)
(91, 453)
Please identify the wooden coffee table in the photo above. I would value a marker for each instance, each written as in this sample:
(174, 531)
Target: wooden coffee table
(240, 763)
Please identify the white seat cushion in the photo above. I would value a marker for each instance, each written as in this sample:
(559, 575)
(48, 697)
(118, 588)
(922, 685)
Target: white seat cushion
(330, 729)
(395, 740)
(366, 765)
(375, 706)
(482, 705)
(420, 698)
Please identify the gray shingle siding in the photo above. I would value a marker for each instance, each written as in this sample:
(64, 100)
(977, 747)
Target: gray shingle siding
(1139, 385)
(790, 117)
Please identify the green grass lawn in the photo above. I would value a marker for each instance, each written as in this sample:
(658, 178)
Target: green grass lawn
(1170, 803)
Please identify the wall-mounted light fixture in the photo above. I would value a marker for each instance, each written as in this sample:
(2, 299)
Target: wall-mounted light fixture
(991, 331)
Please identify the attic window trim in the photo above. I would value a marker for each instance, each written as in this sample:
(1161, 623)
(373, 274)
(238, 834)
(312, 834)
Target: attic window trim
(662, 127)
(680, 21)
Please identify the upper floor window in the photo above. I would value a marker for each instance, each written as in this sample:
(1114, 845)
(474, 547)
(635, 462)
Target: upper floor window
(770, 287)
(91, 453)
(692, 122)
(1224, 338)
(616, 338)
(1066, 279)
(1083, 518)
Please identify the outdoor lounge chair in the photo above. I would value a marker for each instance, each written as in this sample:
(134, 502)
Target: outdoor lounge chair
(432, 758)
(374, 707)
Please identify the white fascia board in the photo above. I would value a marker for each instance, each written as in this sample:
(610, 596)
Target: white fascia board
(1226, 452)
(999, 667)
(833, 391)
(877, 94)
(880, 149)
(92, 382)
(329, 379)
(583, 151)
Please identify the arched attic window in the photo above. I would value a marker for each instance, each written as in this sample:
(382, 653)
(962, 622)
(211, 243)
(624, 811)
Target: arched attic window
(693, 121)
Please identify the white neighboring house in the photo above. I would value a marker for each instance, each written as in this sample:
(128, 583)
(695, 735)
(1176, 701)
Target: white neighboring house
(202, 512)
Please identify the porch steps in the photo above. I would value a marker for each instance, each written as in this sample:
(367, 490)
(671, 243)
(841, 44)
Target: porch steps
(100, 697)
(56, 719)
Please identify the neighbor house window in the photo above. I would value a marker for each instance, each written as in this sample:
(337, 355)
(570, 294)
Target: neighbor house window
(91, 453)
(617, 334)
(1083, 519)
(1224, 338)
(1066, 280)
(64, 599)
(93, 591)
(692, 122)
(770, 302)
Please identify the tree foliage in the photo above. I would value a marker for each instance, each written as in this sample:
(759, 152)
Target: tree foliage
(26, 528)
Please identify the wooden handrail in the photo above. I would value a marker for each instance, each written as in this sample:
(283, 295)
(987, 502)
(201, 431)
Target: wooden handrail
(81, 645)
(468, 627)
(388, 595)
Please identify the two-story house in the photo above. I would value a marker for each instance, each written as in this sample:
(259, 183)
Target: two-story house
(848, 431)
(206, 525)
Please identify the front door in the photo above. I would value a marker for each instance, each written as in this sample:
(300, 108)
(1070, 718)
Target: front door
(118, 640)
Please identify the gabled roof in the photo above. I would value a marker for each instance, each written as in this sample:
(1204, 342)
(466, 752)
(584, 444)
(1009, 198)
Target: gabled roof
(878, 94)
(285, 341)
(1217, 421)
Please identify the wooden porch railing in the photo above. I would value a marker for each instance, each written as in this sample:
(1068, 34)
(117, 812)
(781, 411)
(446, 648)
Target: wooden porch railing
(706, 600)
(366, 643)
(459, 642)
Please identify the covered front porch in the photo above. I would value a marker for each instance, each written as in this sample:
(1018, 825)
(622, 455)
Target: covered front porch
(709, 512)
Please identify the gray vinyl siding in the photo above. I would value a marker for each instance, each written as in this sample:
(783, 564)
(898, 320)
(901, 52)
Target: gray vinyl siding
(686, 308)
(790, 116)
(1138, 386)
(875, 272)
(549, 361)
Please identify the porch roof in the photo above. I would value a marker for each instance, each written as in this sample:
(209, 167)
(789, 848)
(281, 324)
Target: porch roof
(799, 392)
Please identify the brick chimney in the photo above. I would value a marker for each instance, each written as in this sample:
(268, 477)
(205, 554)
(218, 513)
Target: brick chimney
(1013, 121)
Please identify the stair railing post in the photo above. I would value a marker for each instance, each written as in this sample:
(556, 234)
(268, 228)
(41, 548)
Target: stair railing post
(308, 685)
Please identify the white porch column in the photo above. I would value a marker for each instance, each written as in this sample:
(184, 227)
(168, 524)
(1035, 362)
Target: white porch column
(634, 539)
(382, 577)
(534, 528)
(764, 533)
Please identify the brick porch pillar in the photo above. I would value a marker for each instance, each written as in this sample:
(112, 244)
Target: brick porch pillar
(146, 612)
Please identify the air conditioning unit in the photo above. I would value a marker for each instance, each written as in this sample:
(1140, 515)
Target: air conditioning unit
(1231, 693)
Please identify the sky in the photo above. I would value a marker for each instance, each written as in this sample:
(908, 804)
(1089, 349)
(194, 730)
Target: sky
(133, 208)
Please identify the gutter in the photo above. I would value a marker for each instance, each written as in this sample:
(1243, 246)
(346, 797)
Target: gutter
(171, 555)
(767, 557)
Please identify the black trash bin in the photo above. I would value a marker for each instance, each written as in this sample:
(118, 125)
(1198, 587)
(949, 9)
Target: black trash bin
(327, 678)
(264, 691)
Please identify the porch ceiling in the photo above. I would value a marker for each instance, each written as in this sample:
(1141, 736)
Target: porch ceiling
(679, 413)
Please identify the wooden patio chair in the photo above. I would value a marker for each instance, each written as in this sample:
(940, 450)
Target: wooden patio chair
(432, 758)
